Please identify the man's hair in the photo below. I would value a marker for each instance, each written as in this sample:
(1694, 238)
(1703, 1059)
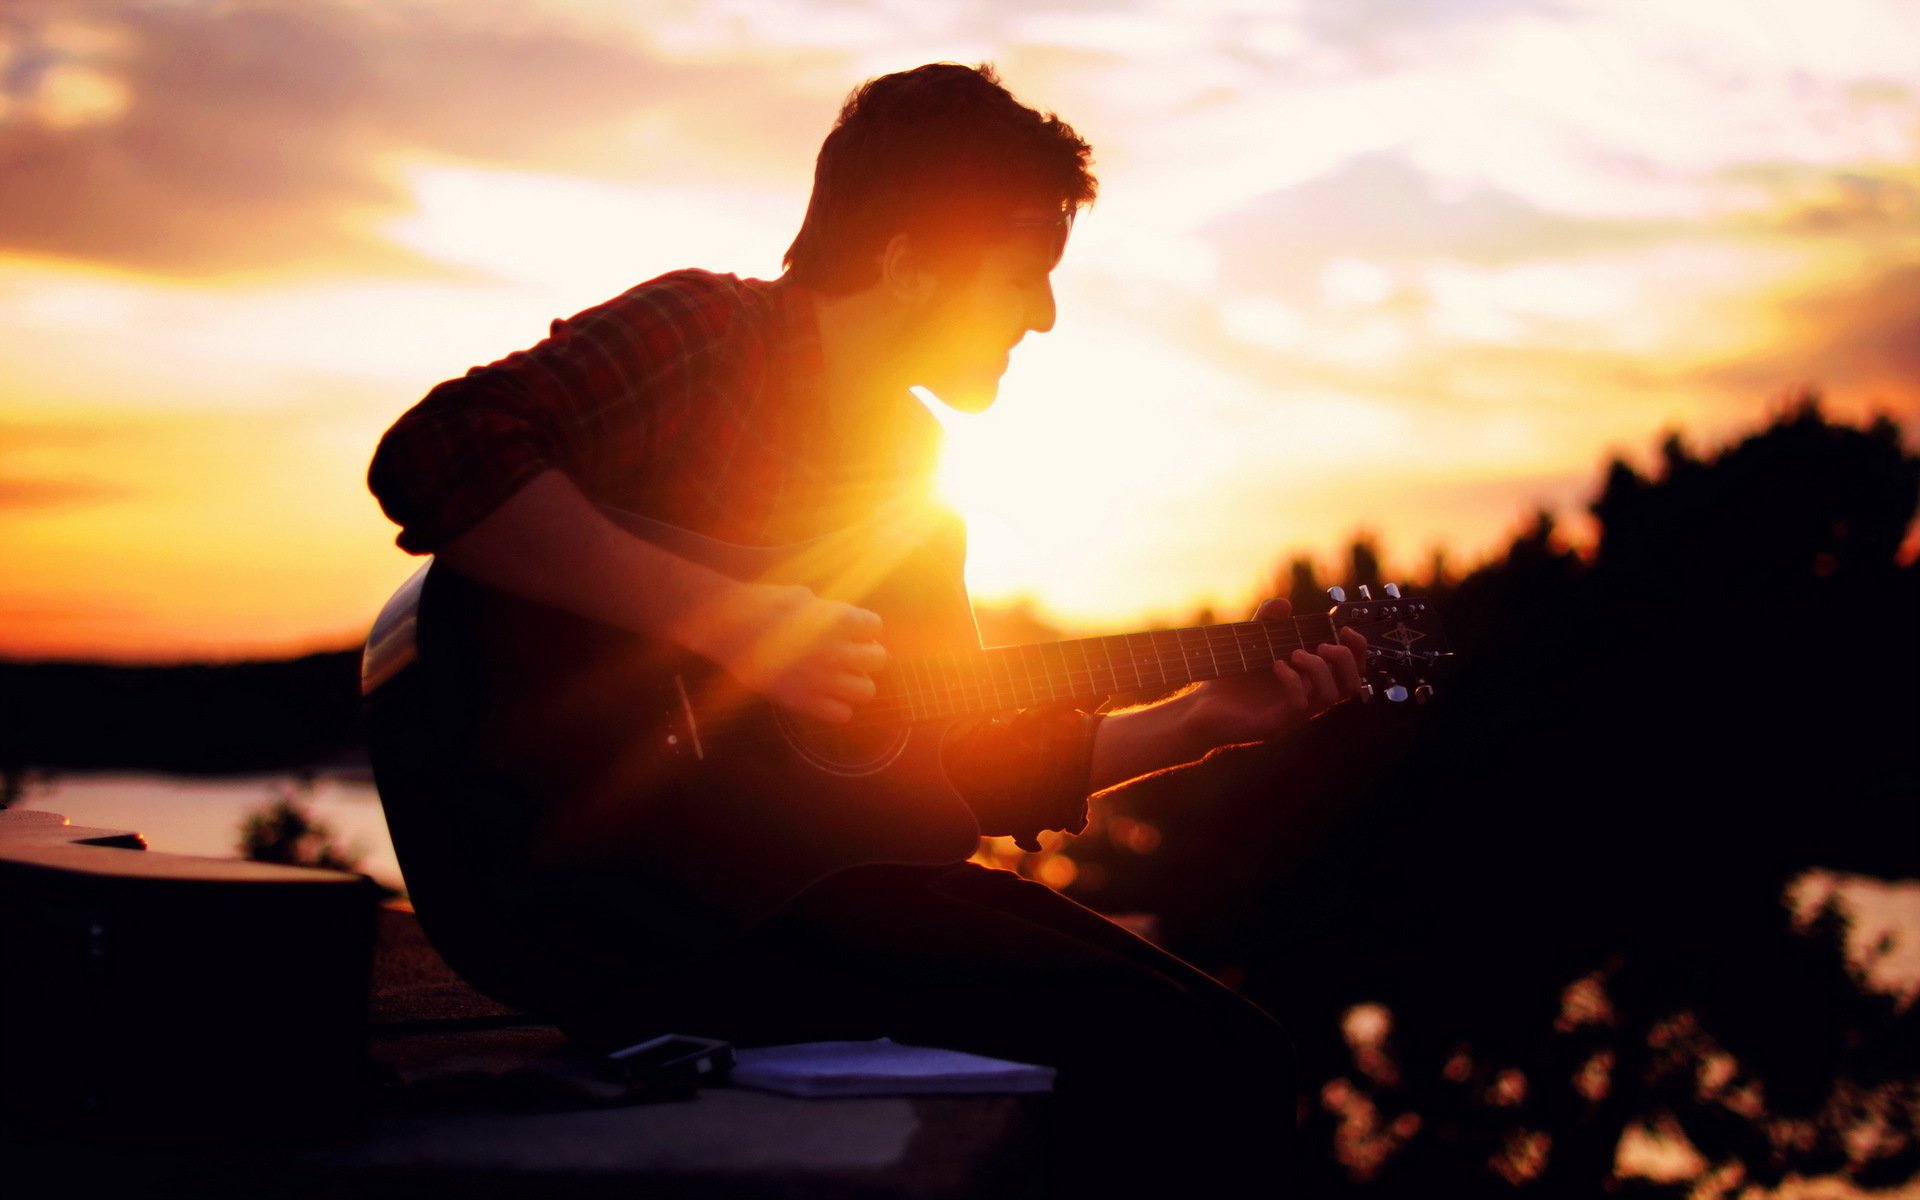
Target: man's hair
(943, 153)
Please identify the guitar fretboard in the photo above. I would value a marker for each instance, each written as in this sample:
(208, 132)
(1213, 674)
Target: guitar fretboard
(944, 686)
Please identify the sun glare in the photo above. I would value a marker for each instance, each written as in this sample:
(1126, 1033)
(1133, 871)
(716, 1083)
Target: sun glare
(1094, 484)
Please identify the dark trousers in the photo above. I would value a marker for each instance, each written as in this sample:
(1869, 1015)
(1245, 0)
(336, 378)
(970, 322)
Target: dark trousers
(1166, 1078)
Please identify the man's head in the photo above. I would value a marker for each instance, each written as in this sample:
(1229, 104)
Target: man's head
(940, 192)
(944, 154)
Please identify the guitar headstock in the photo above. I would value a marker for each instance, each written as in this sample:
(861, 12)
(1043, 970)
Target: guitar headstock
(1404, 640)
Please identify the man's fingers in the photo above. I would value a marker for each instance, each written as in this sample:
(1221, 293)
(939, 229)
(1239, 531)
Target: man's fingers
(814, 656)
(824, 708)
(809, 621)
(1346, 669)
(831, 696)
(1273, 608)
(827, 695)
(858, 624)
(852, 686)
(866, 657)
(1318, 675)
(1291, 684)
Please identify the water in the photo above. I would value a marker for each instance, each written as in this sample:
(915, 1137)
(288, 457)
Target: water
(203, 815)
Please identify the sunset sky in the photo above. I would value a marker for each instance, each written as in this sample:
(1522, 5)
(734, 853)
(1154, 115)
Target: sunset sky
(1413, 268)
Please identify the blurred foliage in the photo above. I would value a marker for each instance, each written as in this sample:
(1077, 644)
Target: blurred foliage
(285, 831)
(20, 784)
(1559, 892)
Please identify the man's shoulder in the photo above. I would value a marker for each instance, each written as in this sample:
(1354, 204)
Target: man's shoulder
(706, 297)
(678, 317)
(695, 281)
(682, 321)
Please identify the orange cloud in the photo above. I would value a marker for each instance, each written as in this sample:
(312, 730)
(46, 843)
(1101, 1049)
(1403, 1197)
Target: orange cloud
(26, 481)
(1860, 339)
(51, 493)
(140, 534)
(259, 139)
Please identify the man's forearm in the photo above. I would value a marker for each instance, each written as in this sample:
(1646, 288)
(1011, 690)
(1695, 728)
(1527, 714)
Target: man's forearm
(1251, 707)
(1140, 741)
(549, 543)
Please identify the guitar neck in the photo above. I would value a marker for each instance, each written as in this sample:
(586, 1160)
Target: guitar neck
(981, 681)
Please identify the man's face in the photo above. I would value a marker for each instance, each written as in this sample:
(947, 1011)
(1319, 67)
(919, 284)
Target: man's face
(971, 323)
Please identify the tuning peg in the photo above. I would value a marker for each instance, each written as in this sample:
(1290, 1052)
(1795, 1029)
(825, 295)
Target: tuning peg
(1365, 593)
(1337, 594)
(1397, 694)
(1423, 693)
(1392, 590)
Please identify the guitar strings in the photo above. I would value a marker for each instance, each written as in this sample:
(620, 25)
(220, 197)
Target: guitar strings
(965, 682)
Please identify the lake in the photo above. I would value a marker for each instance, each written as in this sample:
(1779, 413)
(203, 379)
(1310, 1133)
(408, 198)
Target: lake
(203, 815)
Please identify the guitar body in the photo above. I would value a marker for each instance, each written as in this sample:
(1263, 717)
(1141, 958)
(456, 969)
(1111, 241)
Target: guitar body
(585, 746)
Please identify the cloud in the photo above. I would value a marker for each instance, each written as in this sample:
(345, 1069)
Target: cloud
(42, 494)
(1377, 276)
(1381, 208)
(28, 484)
(262, 138)
(1859, 343)
(1376, 33)
(1859, 203)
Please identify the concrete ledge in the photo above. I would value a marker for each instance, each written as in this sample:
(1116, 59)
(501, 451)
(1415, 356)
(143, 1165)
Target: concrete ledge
(466, 1098)
(722, 1142)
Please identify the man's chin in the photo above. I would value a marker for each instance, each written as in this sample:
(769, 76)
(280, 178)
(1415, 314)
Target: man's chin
(972, 394)
(969, 399)
(966, 398)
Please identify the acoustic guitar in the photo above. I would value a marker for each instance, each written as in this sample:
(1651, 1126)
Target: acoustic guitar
(608, 747)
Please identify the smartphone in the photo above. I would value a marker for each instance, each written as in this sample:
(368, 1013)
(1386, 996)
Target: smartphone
(671, 1059)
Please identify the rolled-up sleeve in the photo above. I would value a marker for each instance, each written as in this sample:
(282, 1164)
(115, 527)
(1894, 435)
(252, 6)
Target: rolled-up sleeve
(455, 457)
(588, 400)
(1024, 772)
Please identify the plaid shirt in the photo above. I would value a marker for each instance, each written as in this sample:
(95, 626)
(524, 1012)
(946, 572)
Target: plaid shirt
(698, 400)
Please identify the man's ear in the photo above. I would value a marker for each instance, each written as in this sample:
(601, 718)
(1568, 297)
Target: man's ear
(904, 272)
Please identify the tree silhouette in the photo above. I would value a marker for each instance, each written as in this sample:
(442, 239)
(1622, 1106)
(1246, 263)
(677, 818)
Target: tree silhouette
(1557, 899)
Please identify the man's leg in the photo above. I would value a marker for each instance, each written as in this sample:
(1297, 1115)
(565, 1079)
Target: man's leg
(1165, 1075)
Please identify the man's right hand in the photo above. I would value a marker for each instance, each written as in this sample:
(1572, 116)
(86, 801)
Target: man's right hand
(814, 656)
(548, 543)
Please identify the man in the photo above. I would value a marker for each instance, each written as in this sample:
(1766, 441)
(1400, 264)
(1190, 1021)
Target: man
(767, 413)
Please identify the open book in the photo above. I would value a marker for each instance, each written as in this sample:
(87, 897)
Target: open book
(882, 1068)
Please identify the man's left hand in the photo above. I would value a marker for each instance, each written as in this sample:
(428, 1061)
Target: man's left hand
(1253, 708)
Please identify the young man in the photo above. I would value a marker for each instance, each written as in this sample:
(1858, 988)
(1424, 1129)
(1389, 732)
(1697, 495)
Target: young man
(769, 413)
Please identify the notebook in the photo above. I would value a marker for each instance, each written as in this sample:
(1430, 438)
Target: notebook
(882, 1067)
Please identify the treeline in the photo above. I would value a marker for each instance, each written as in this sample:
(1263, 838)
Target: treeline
(1549, 911)
(198, 719)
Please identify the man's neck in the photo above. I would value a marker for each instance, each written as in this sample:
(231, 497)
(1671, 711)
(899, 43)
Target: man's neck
(858, 334)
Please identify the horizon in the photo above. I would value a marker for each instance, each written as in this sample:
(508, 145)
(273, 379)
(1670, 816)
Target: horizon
(1417, 275)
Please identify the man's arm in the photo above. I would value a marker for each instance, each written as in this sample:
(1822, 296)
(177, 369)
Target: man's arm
(1226, 712)
(550, 544)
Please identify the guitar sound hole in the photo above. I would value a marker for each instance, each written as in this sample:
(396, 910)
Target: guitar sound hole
(856, 748)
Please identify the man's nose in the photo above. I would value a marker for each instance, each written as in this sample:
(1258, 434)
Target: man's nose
(1040, 308)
